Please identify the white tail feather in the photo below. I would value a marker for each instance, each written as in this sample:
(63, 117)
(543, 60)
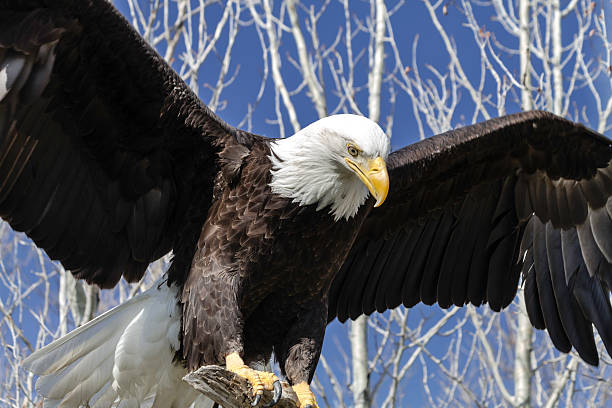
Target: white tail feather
(122, 358)
(64, 351)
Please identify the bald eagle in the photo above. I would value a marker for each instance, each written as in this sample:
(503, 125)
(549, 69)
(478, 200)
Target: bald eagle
(108, 161)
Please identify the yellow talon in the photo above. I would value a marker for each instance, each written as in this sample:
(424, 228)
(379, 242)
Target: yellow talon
(305, 395)
(259, 380)
(268, 379)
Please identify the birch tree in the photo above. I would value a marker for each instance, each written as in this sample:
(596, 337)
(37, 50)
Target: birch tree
(468, 61)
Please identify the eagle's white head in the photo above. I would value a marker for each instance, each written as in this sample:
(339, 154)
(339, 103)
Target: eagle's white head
(333, 163)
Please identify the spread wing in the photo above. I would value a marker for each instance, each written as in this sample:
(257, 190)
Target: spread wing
(104, 150)
(471, 209)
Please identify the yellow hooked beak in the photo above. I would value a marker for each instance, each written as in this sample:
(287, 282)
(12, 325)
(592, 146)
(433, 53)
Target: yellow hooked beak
(375, 177)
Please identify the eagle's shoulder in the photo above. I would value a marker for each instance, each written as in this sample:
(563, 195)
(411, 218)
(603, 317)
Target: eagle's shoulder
(237, 152)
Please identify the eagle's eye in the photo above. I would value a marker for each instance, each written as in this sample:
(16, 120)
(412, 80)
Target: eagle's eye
(352, 149)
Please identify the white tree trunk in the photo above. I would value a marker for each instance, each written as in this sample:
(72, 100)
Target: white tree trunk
(359, 328)
(377, 62)
(522, 360)
(523, 349)
(63, 303)
(557, 49)
(78, 297)
(359, 351)
(524, 41)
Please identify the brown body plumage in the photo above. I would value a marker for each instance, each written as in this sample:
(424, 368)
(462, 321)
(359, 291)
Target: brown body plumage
(108, 161)
(242, 272)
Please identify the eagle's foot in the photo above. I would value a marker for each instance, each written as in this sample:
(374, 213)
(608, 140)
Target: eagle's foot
(259, 380)
(305, 395)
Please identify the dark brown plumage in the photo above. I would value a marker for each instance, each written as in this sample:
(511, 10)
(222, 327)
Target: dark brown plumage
(468, 196)
(108, 161)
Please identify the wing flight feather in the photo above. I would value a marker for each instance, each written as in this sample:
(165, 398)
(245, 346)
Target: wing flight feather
(472, 209)
(104, 150)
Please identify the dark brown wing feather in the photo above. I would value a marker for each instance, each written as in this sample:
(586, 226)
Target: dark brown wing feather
(457, 227)
(107, 159)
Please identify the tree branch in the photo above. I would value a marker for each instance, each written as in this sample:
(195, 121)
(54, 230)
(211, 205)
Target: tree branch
(316, 91)
(232, 391)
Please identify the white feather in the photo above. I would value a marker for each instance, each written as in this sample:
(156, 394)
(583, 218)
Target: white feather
(123, 358)
(103, 398)
(69, 348)
(3, 82)
(309, 167)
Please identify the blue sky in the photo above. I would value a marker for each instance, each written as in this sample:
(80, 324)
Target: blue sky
(410, 22)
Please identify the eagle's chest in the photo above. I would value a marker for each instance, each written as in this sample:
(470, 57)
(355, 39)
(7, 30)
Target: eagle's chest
(294, 276)
(274, 247)
(303, 255)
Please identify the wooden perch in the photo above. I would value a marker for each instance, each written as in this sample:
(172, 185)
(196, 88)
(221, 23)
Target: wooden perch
(232, 391)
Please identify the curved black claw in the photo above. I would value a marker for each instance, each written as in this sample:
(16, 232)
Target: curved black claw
(278, 392)
(257, 399)
(308, 406)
